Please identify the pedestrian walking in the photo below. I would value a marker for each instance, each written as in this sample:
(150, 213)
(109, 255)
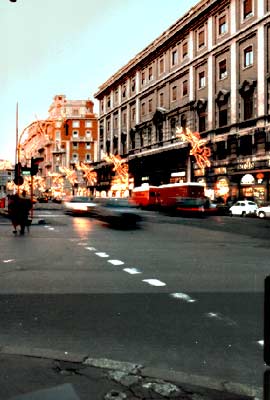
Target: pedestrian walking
(18, 209)
(13, 211)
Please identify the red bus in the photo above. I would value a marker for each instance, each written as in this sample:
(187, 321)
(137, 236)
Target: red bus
(166, 196)
(145, 196)
(171, 194)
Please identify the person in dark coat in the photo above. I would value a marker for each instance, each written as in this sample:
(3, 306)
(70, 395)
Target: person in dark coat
(18, 209)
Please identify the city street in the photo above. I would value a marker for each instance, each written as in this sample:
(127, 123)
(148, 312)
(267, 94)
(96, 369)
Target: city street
(177, 293)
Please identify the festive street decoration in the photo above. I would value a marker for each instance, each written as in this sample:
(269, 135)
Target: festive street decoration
(89, 174)
(71, 174)
(120, 167)
(198, 148)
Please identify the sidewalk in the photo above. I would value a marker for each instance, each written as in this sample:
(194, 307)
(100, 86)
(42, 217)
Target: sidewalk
(52, 375)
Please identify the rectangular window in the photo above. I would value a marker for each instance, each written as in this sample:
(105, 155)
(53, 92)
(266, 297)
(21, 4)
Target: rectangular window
(108, 102)
(247, 8)
(75, 134)
(150, 73)
(161, 65)
(202, 80)
(143, 78)
(143, 108)
(133, 84)
(161, 100)
(75, 124)
(124, 118)
(248, 57)
(185, 88)
(185, 50)
(88, 145)
(88, 157)
(202, 122)
(57, 135)
(174, 57)
(150, 105)
(174, 93)
(88, 124)
(75, 157)
(124, 91)
(201, 39)
(248, 107)
(116, 96)
(223, 116)
(222, 69)
(102, 105)
(75, 145)
(133, 113)
(222, 25)
(88, 134)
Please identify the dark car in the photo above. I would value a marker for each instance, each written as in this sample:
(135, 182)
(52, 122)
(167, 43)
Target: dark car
(117, 212)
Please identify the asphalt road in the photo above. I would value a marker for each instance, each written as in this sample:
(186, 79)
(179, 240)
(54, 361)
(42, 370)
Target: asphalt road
(179, 293)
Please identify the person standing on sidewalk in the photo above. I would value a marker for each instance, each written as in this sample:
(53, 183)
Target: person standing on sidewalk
(25, 205)
(18, 209)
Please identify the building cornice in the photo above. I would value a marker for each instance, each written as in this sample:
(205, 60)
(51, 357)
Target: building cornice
(180, 25)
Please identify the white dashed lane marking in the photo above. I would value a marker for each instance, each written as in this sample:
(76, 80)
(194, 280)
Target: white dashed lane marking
(260, 343)
(220, 317)
(116, 262)
(8, 261)
(154, 282)
(132, 271)
(102, 255)
(91, 248)
(183, 297)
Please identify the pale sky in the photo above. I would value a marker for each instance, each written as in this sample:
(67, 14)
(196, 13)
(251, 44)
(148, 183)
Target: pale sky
(69, 47)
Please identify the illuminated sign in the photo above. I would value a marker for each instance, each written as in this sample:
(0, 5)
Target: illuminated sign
(248, 179)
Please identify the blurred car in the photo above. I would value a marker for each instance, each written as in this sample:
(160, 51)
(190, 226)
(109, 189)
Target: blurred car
(263, 212)
(43, 199)
(79, 205)
(117, 212)
(244, 208)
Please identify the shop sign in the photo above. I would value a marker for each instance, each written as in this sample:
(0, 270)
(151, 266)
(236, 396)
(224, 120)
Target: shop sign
(175, 174)
(247, 179)
(222, 186)
(220, 171)
(246, 165)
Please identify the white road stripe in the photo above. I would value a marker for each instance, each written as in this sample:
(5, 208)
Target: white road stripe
(116, 262)
(261, 342)
(103, 255)
(154, 282)
(184, 297)
(82, 244)
(221, 317)
(91, 248)
(132, 271)
(8, 261)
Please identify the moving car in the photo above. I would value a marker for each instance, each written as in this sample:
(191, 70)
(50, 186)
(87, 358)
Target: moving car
(244, 208)
(79, 205)
(263, 212)
(118, 212)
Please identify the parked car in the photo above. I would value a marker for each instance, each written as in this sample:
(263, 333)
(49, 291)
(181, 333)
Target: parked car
(117, 212)
(264, 211)
(244, 208)
(79, 205)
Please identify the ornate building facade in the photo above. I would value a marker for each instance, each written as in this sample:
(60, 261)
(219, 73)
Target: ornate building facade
(66, 138)
(209, 72)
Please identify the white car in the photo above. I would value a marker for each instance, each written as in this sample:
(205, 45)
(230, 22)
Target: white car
(79, 205)
(243, 208)
(263, 212)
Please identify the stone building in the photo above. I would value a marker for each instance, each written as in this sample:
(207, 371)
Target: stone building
(209, 72)
(66, 138)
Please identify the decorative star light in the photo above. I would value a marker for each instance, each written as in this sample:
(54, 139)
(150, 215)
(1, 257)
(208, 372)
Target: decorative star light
(89, 173)
(198, 148)
(70, 174)
(120, 167)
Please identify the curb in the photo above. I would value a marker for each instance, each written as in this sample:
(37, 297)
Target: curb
(177, 377)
